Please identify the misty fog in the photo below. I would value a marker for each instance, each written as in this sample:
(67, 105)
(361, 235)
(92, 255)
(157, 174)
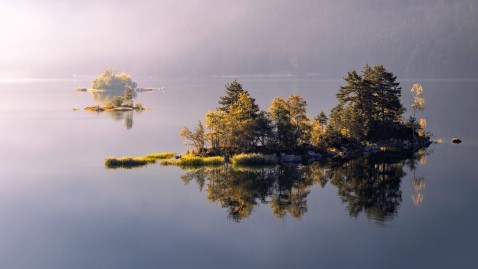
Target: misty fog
(171, 38)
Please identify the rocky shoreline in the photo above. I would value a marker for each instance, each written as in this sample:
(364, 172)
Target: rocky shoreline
(349, 151)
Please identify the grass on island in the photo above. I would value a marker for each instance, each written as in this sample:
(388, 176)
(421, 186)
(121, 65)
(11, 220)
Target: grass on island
(193, 160)
(126, 162)
(129, 162)
(160, 155)
(254, 159)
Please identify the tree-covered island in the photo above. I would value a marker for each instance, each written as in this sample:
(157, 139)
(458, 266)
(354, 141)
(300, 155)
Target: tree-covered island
(369, 117)
(122, 88)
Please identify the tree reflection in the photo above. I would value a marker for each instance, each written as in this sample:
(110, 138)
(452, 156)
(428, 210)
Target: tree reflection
(126, 116)
(367, 184)
(419, 158)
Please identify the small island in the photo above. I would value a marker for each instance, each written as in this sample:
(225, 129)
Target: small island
(121, 83)
(368, 119)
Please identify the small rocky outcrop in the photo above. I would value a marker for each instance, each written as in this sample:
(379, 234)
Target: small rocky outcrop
(456, 140)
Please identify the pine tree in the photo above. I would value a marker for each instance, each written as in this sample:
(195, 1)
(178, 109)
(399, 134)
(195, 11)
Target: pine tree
(322, 119)
(232, 95)
(388, 93)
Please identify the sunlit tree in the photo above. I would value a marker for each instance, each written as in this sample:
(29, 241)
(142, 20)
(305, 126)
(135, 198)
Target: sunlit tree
(297, 107)
(196, 139)
(418, 104)
(233, 90)
(283, 129)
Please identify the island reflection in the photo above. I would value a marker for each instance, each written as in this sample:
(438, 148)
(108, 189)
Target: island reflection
(126, 116)
(368, 185)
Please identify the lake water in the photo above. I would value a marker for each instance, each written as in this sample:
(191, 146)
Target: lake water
(60, 207)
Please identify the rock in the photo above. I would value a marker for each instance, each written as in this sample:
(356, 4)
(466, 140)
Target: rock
(456, 141)
(289, 158)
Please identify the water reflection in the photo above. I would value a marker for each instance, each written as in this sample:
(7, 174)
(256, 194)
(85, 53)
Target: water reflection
(126, 116)
(368, 185)
(418, 182)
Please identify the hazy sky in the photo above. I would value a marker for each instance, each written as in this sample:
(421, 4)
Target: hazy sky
(415, 38)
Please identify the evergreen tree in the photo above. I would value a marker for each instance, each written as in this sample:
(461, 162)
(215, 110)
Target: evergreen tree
(232, 95)
(241, 124)
(369, 105)
(322, 119)
(354, 108)
(387, 93)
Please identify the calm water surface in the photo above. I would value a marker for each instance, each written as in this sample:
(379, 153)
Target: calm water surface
(60, 208)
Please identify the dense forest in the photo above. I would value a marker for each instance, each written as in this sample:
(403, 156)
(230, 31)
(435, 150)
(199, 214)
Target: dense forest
(369, 112)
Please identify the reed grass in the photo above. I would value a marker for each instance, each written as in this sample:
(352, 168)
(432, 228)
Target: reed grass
(160, 155)
(126, 162)
(193, 160)
(254, 159)
(136, 161)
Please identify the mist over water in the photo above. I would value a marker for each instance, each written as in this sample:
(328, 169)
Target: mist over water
(66, 39)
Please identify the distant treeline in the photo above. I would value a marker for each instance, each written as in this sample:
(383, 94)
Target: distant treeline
(369, 110)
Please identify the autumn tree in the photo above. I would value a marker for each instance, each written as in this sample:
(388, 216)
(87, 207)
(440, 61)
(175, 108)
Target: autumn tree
(215, 125)
(297, 107)
(290, 122)
(196, 139)
(418, 104)
(281, 120)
